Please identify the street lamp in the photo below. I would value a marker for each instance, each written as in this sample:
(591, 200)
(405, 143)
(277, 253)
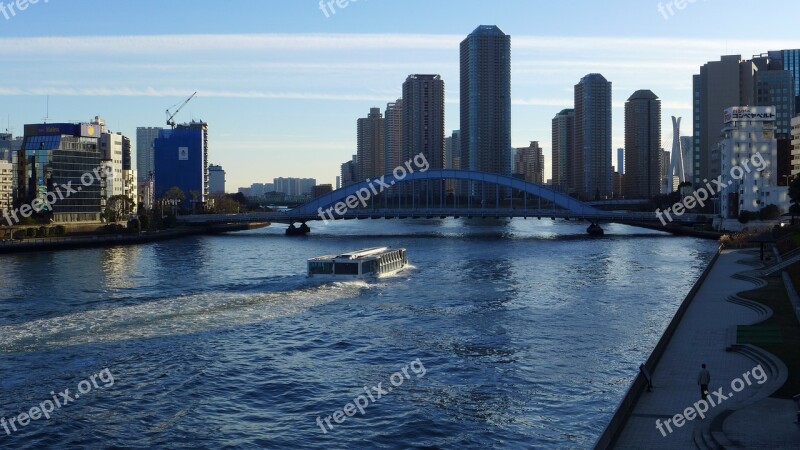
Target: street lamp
(787, 179)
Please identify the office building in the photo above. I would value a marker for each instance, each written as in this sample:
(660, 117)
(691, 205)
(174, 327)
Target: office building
(349, 172)
(145, 156)
(370, 145)
(181, 160)
(719, 85)
(591, 166)
(486, 105)
(111, 150)
(6, 185)
(294, 187)
(643, 155)
(749, 131)
(216, 179)
(320, 190)
(56, 155)
(795, 170)
(529, 163)
(452, 150)
(668, 182)
(621, 161)
(563, 137)
(393, 136)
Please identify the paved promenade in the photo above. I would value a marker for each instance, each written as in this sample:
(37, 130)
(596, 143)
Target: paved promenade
(746, 419)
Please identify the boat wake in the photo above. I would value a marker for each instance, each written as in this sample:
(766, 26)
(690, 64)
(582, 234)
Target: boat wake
(170, 316)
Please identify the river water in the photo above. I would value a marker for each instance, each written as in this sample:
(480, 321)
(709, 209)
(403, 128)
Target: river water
(519, 334)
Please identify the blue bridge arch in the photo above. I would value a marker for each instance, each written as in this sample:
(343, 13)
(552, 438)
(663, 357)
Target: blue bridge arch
(560, 199)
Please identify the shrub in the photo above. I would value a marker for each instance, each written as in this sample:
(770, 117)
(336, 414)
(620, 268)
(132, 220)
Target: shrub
(30, 232)
(60, 230)
(41, 232)
(770, 212)
(745, 216)
(144, 221)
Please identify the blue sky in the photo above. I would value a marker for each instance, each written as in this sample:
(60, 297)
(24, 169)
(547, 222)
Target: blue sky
(282, 85)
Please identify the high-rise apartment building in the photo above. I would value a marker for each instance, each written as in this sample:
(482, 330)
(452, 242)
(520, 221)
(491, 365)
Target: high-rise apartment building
(486, 102)
(349, 172)
(145, 156)
(643, 158)
(563, 138)
(423, 119)
(393, 136)
(371, 145)
(452, 150)
(591, 165)
(529, 163)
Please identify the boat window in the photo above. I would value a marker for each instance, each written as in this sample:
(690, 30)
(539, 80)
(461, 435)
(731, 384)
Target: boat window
(320, 268)
(346, 268)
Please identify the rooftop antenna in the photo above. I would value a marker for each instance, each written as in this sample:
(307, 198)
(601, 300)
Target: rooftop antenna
(47, 117)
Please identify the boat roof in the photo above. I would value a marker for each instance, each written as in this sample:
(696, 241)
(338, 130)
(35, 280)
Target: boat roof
(356, 254)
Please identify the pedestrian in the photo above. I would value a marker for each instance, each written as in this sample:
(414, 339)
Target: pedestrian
(703, 379)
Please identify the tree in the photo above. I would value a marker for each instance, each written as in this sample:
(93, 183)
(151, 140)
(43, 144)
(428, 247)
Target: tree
(770, 212)
(117, 208)
(173, 197)
(794, 194)
(224, 204)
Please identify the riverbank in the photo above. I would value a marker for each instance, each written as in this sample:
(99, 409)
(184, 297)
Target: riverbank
(78, 242)
(708, 329)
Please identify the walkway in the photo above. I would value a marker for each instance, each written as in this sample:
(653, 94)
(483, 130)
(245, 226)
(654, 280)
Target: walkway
(748, 419)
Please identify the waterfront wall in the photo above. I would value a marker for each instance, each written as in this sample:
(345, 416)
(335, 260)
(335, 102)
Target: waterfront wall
(639, 385)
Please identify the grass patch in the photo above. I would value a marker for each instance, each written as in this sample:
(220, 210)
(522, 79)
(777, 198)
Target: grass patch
(779, 335)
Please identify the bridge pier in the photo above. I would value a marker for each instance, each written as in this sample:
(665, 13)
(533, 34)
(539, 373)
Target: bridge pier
(302, 230)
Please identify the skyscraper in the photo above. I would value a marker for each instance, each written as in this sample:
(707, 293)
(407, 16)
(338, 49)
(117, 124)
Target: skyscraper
(393, 136)
(216, 179)
(774, 86)
(370, 145)
(621, 161)
(563, 150)
(643, 158)
(486, 102)
(181, 160)
(423, 118)
(145, 137)
(720, 85)
(591, 166)
(529, 163)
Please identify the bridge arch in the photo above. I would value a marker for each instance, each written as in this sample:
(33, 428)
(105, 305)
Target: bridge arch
(560, 199)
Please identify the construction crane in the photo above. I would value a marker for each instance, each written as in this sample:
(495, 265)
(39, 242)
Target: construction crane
(171, 115)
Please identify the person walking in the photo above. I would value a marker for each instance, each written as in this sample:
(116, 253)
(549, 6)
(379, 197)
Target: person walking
(703, 379)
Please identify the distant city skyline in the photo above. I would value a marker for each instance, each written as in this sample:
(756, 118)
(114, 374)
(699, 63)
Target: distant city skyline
(286, 83)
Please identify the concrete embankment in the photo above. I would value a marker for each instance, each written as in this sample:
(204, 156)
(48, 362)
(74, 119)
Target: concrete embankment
(107, 240)
(704, 331)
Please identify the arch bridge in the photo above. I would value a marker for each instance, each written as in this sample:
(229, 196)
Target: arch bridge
(441, 193)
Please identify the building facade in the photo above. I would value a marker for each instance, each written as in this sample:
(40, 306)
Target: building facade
(54, 156)
(748, 136)
(393, 136)
(181, 160)
(591, 165)
(486, 103)
(643, 154)
(529, 163)
(563, 138)
(370, 136)
(216, 179)
(795, 171)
